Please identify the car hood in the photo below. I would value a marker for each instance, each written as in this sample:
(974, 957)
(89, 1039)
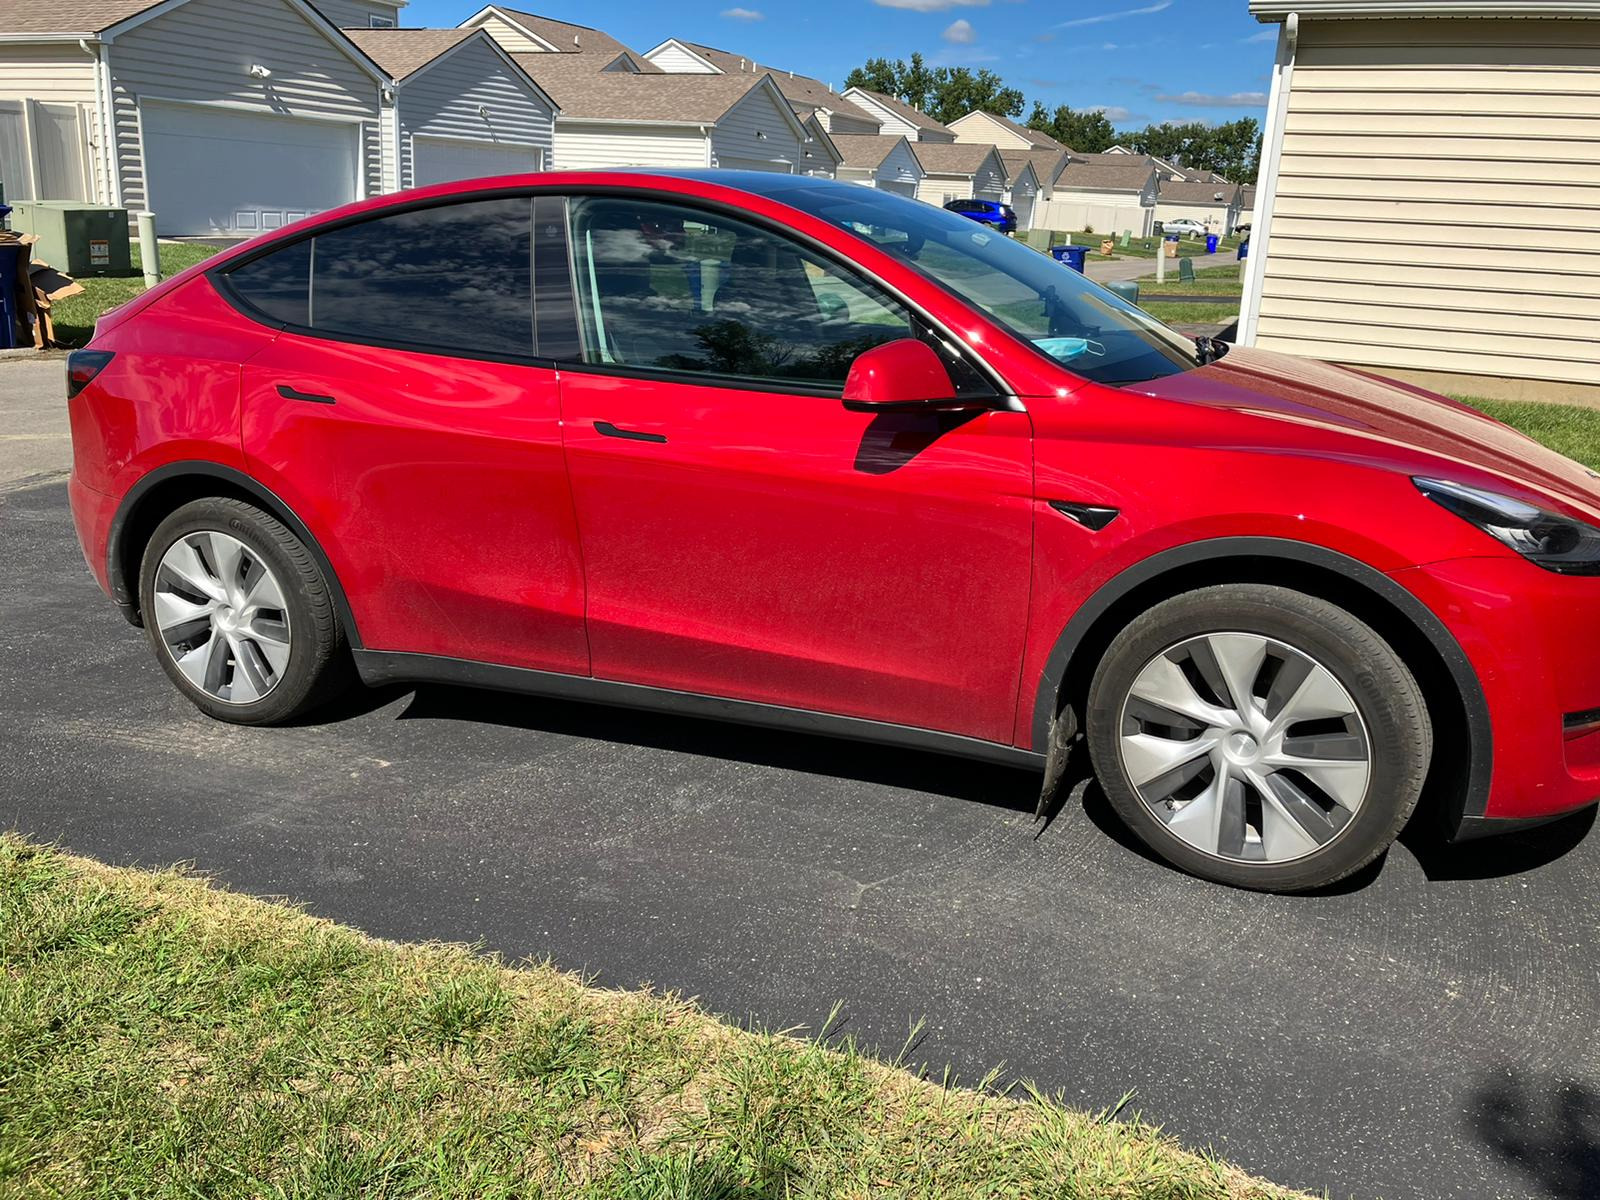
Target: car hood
(1383, 413)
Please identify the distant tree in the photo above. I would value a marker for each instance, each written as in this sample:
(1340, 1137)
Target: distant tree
(944, 93)
(1088, 132)
(1232, 149)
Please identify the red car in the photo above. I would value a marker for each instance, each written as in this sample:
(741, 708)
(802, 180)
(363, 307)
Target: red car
(805, 454)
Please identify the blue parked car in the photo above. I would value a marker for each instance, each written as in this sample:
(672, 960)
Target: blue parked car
(987, 212)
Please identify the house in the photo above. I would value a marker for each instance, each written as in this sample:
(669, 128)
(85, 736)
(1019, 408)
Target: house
(880, 162)
(896, 118)
(363, 14)
(1104, 197)
(1033, 175)
(806, 96)
(462, 107)
(221, 116)
(1214, 205)
(618, 109)
(995, 130)
(1427, 194)
(820, 154)
(957, 171)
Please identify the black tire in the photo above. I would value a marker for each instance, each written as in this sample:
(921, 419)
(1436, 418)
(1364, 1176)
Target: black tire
(1387, 698)
(318, 665)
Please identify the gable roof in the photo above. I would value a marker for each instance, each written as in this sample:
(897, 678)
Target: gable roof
(955, 158)
(403, 52)
(866, 150)
(805, 94)
(68, 16)
(584, 92)
(1131, 174)
(1036, 139)
(1046, 164)
(1190, 191)
(913, 116)
(569, 38)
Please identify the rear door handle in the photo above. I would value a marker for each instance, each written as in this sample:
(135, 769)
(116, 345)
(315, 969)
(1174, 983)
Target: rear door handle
(289, 393)
(607, 429)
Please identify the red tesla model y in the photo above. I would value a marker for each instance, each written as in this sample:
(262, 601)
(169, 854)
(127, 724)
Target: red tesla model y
(801, 453)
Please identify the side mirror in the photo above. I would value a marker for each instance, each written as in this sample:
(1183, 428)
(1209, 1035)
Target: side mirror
(903, 374)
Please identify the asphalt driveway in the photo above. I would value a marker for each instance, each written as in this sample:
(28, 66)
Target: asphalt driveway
(1428, 1030)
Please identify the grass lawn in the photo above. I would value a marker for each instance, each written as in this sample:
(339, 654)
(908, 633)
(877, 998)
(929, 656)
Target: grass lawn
(1213, 281)
(1192, 312)
(74, 318)
(1565, 428)
(159, 1036)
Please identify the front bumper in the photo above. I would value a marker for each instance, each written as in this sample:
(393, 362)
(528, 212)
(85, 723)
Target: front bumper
(1533, 640)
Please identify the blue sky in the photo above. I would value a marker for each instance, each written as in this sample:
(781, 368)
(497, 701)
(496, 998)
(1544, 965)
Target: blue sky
(1140, 60)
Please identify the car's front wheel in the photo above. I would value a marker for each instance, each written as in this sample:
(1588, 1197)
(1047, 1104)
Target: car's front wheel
(1258, 736)
(239, 615)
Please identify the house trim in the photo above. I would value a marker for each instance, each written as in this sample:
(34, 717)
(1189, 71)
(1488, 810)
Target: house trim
(650, 54)
(1267, 182)
(513, 22)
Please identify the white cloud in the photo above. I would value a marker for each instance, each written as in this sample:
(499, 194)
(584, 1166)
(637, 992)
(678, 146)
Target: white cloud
(1266, 35)
(1112, 112)
(931, 5)
(1102, 18)
(960, 33)
(1207, 100)
(743, 14)
(962, 56)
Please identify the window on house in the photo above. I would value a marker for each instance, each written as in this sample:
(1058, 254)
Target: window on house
(377, 22)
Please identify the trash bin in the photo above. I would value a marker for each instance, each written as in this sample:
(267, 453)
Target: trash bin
(1071, 256)
(11, 264)
(1244, 250)
(1169, 246)
(1211, 243)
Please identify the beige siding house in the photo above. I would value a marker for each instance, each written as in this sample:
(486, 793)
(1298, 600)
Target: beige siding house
(1429, 201)
(1108, 197)
(959, 172)
(896, 118)
(462, 108)
(1215, 204)
(993, 130)
(222, 116)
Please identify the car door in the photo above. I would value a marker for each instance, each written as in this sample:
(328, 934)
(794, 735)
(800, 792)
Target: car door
(403, 413)
(744, 534)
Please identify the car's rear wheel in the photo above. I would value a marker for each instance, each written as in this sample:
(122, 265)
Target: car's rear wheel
(239, 616)
(1258, 736)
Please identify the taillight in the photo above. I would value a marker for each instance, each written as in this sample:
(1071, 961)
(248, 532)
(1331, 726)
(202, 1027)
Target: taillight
(83, 366)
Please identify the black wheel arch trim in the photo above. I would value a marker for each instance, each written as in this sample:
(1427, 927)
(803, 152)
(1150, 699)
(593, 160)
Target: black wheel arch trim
(1475, 798)
(262, 495)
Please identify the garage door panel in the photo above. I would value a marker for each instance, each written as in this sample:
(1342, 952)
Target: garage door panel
(211, 170)
(446, 160)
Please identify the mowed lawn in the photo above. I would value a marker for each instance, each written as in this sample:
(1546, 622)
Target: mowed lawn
(163, 1037)
(74, 317)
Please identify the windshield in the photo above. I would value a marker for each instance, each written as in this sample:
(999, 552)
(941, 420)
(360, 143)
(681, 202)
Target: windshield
(1059, 312)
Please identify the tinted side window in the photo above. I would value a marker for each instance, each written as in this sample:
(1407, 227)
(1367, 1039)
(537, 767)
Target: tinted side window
(458, 277)
(279, 285)
(675, 288)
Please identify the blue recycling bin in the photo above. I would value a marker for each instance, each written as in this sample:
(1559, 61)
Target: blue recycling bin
(1211, 243)
(1070, 256)
(10, 265)
(1244, 250)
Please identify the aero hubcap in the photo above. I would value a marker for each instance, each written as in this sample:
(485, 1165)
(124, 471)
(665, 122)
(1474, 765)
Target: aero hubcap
(222, 617)
(1245, 747)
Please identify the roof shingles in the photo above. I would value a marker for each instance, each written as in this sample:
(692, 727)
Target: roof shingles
(68, 16)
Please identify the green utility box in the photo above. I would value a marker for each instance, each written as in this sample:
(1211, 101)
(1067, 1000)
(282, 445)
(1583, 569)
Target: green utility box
(79, 239)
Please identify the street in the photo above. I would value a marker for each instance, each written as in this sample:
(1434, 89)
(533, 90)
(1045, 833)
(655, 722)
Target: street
(1426, 1030)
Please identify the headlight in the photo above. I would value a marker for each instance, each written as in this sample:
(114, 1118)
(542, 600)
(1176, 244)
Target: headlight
(1554, 542)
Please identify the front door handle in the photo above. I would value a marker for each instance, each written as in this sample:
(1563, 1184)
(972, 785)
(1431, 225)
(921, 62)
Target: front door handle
(607, 429)
(289, 393)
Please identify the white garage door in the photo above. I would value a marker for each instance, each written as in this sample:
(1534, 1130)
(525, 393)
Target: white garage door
(213, 170)
(443, 160)
(1022, 205)
(900, 187)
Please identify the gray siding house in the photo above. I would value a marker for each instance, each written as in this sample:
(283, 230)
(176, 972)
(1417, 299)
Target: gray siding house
(221, 116)
(462, 107)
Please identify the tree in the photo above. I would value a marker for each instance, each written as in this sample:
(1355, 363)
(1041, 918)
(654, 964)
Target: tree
(944, 94)
(1086, 132)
